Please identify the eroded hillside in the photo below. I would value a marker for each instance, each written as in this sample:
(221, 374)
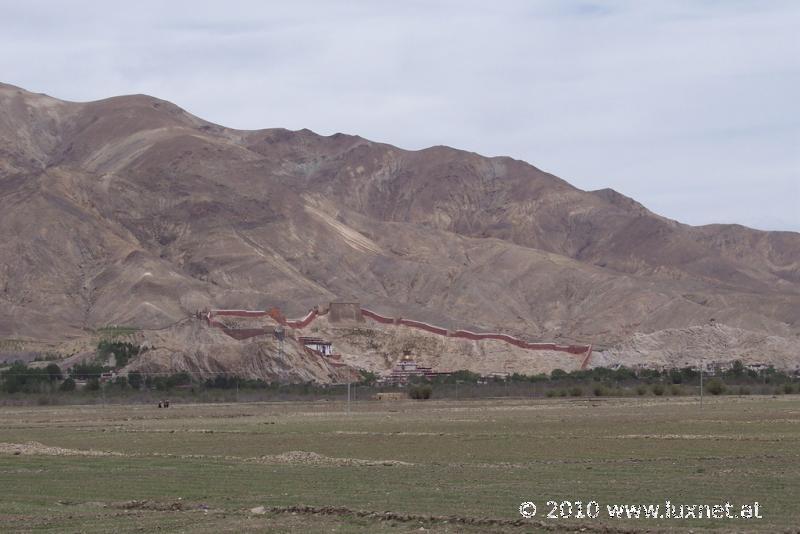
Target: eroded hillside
(131, 211)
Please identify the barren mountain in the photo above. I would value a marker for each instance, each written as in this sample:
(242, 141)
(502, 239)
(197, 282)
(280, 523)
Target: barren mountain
(131, 211)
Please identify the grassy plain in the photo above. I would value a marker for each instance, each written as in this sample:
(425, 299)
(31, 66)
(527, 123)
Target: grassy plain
(203, 468)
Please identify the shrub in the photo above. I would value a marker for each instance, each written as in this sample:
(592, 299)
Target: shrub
(788, 388)
(716, 387)
(563, 393)
(641, 390)
(93, 384)
(420, 392)
(600, 391)
(676, 390)
(67, 385)
(744, 390)
(576, 391)
(658, 389)
(550, 393)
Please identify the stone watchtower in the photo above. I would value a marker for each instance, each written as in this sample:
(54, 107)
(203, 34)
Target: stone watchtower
(340, 312)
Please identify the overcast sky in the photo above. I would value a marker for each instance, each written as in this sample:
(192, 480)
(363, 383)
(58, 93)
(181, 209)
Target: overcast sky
(691, 107)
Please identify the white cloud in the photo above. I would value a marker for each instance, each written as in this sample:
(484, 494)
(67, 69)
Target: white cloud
(688, 106)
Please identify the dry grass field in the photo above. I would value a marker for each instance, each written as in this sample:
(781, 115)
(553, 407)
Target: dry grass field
(438, 466)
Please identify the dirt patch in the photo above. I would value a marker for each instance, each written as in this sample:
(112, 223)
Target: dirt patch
(175, 506)
(434, 519)
(714, 437)
(32, 448)
(35, 448)
(312, 458)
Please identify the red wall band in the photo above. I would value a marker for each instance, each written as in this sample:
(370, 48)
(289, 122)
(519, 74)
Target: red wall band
(243, 333)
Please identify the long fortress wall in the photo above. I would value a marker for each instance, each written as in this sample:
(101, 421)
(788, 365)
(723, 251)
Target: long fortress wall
(583, 351)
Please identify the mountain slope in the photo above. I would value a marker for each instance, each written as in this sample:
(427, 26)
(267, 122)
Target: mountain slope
(131, 211)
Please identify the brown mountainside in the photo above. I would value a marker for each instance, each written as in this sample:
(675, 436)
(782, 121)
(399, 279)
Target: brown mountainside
(131, 211)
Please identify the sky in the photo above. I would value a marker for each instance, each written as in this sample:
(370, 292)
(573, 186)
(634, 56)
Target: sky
(690, 107)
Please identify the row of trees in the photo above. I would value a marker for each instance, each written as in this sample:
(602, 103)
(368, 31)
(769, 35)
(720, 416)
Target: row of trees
(603, 381)
(737, 374)
(20, 377)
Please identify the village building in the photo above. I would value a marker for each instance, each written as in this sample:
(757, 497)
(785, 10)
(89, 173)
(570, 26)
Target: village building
(406, 368)
(318, 345)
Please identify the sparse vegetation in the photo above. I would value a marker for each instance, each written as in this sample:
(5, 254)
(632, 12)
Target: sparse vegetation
(474, 451)
(116, 331)
(48, 357)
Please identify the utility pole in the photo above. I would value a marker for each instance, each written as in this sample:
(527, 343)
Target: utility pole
(701, 384)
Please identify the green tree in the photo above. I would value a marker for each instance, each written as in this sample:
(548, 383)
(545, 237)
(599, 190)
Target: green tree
(135, 379)
(558, 374)
(178, 379)
(86, 371)
(93, 384)
(368, 378)
(737, 369)
(67, 385)
(21, 378)
(121, 382)
(53, 372)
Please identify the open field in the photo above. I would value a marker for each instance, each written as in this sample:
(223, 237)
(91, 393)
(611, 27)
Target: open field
(202, 468)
